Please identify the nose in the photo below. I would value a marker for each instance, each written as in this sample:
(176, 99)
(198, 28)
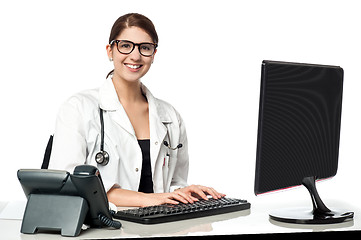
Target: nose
(135, 54)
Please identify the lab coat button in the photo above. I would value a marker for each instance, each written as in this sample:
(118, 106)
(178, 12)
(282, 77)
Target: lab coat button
(156, 143)
(136, 169)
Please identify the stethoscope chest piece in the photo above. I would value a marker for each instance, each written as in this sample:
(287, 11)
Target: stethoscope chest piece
(102, 158)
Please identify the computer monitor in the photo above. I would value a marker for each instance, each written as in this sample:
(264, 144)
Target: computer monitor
(299, 134)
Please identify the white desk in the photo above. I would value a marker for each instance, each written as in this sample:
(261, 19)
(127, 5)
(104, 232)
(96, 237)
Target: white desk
(253, 221)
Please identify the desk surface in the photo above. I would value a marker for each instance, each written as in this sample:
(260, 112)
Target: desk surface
(253, 221)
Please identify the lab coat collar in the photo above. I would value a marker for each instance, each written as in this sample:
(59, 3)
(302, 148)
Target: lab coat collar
(108, 98)
(156, 109)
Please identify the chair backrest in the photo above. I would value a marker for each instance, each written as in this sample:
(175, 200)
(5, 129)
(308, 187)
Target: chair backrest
(47, 153)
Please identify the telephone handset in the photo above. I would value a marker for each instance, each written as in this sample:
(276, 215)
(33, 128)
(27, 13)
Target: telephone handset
(89, 184)
(58, 200)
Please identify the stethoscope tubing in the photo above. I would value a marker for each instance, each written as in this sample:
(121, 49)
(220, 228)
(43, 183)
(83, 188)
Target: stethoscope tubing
(106, 155)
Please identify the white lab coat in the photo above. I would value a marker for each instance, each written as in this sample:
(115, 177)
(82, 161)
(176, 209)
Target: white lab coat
(77, 140)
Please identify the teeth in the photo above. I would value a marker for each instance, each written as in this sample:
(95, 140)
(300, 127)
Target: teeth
(133, 66)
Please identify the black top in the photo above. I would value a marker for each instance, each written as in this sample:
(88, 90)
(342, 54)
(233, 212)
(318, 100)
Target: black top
(146, 182)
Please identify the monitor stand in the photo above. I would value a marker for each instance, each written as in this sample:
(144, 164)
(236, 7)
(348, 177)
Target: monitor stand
(319, 215)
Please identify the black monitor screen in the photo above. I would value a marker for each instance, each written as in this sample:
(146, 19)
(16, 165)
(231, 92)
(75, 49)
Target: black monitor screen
(299, 124)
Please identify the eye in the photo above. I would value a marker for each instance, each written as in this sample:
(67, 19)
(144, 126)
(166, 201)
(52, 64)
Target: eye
(146, 47)
(125, 45)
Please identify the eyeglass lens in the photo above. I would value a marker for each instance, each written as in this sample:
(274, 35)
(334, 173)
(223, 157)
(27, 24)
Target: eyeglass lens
(126, 47)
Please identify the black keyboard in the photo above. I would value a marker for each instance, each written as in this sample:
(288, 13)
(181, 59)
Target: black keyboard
(169, 212)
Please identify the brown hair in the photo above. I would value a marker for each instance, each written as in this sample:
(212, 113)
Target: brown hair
(132, 20)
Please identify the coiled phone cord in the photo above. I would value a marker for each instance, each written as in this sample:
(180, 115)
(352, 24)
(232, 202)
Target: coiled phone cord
(109, 222)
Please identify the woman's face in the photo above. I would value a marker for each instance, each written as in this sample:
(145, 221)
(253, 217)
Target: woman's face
(130, 67)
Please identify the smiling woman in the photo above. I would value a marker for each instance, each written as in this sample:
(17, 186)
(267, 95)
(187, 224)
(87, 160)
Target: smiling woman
(131, 65)
(137, 133)
(128, 21)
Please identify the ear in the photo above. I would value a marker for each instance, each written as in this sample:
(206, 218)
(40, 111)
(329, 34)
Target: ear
(155, 51)
(109, 51)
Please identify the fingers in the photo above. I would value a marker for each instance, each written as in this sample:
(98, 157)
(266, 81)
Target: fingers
(212, 192)
(184, 197)
(202, 192)
(171, 201)
(164, 198)
(192, 194)
(180, 198)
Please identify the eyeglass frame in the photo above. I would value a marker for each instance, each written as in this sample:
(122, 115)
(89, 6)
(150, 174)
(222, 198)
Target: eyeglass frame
(134, 45)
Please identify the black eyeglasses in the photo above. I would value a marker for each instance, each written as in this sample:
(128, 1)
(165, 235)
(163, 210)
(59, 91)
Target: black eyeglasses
(126, 47)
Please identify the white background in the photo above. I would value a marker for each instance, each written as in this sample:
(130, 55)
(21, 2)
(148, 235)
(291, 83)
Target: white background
(207, 66)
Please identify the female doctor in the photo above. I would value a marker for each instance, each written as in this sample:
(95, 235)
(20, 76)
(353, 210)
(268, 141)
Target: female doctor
(137, 141)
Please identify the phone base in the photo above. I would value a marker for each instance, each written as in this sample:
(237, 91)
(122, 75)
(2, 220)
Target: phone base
(54, 213)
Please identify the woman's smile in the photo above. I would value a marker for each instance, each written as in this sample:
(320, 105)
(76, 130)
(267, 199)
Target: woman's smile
(133, 67)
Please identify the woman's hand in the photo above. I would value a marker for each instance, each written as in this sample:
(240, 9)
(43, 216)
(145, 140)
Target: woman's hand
(170, 198)
(195, 192)
(190, 194)
(122, 197)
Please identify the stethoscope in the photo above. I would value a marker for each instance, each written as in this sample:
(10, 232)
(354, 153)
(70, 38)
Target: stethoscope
(102, 157)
